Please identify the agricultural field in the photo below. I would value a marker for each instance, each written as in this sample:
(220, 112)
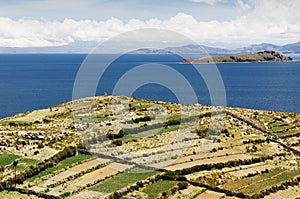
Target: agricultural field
(124, 179)
(121, 147)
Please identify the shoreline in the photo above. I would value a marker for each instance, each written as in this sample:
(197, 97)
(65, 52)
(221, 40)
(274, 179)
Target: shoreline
(249, 62)
(112, 96)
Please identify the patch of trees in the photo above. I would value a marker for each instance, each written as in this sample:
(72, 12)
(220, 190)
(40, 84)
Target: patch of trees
(257, 141)
(171, 122)
(178, 187)
(202, 132)
(290, 135)
(146, 118)
(32, 192)
(256, 173)
(19, 123)
(112, 136)
(117, 142)
(208, 114)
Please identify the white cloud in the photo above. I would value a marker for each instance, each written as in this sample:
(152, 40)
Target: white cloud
(270, 21)
(241, 4)
(210, 2)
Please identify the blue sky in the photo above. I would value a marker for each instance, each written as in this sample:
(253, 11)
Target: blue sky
(123, 9)
(220, 23)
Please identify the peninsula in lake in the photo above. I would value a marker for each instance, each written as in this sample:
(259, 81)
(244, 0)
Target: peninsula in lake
(265, 56)
(122, 147)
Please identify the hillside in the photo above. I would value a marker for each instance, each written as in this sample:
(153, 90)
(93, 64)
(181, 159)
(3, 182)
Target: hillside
(148, 149)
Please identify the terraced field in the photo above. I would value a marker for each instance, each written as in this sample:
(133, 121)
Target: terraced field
(120, 147)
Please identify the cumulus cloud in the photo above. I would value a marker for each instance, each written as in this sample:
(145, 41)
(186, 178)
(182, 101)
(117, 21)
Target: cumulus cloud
(270, 21)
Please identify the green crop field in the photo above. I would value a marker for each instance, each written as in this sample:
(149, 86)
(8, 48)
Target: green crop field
(61, 165)
(122, 180)
(6, 159)
(236, 185)
(24, 163)
(153, 190)
(269, 182)
(255, 184)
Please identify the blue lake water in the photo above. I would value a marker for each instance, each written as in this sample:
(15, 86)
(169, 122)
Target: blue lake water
(30, 82)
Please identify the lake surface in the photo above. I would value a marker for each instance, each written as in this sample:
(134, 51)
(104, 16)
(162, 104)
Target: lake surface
(29, 82)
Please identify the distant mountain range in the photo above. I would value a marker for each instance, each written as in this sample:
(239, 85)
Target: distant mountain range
(76, 47)
(201, 49)
(86, 47)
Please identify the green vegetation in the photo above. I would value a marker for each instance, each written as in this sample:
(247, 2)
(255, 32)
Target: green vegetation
(139, 106)
(6, 159)
(115, 136)
(16, 123)
(61, 165)
(258, 183)
(146, 118)
(98, 117)
(202, 132)
(202, 115)
(66, 194)
(121, 180)
(281, 127)
(135, 137)
(247, 181)
(288, 133)
(25, 163)
(153, 190)
(128, 137)
(173, 120)
(171, 128)
(269, 182)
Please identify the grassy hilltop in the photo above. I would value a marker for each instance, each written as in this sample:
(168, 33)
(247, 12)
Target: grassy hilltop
(149, 149)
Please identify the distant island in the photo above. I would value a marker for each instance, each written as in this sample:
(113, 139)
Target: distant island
(265, 56)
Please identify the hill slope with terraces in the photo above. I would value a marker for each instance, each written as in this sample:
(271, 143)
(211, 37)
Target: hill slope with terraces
(122, 147)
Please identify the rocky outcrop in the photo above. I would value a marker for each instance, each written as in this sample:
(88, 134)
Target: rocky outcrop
(265, 56)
